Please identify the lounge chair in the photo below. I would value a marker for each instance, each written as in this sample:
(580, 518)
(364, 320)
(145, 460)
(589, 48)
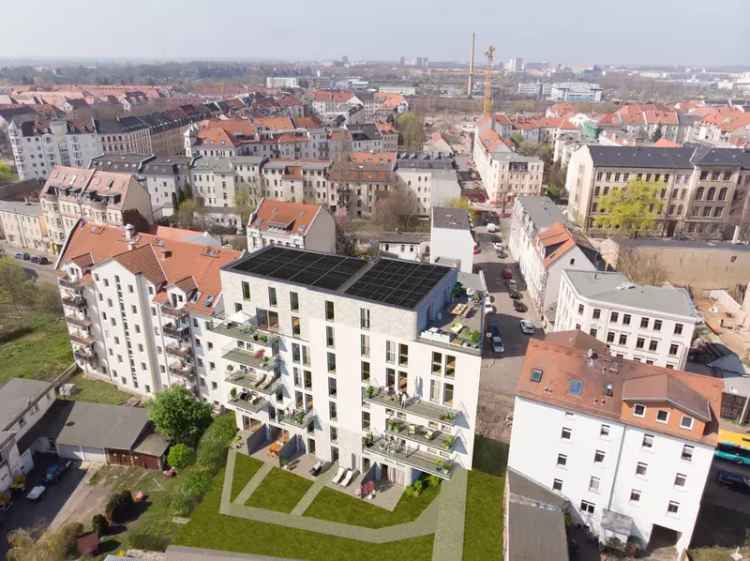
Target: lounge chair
(347, 478)
(315, 470)
(339, 475)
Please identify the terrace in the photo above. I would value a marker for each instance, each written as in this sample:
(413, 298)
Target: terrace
(245, 328)
(182, 369)
(249, 402)
(420, 435)
(182, 351)
(80, 322)
(298, 418)
(459, 325)
(387, 448)
(253, 359)
(265, 384)
(169, 310)
(414, 405)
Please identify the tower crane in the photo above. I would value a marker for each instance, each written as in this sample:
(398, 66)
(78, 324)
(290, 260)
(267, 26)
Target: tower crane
(487, 105)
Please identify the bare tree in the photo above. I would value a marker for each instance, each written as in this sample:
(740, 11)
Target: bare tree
(640, 268)
(397, 209)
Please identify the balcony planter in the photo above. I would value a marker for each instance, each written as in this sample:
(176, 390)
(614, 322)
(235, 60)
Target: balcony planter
(448, 417)
(233, 393)
(371, 391)
(442, 467)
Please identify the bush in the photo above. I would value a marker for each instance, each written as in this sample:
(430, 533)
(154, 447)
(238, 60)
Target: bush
(119, 506)
(140, 539)
(68, 536)
(415, 489)
(100, 524)
(433, 480)
(180, 456)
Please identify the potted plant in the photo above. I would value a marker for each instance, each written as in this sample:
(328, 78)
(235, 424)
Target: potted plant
(450, 440)
(371, 391)
(233, 393)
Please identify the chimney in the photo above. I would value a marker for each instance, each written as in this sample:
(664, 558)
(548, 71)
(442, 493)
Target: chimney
(470, 83)
(129, 237)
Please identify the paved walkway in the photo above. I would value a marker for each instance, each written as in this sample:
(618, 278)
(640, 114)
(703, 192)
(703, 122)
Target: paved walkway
(253, 484)
(449, 535)
(307, 499)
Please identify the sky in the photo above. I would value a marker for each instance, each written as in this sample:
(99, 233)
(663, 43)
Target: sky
(695, 32)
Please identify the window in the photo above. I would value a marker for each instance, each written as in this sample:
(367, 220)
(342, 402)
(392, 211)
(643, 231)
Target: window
(580, 309)
(678, 329)
(389, 351)
(448, 394)
(296, 326)
(294, 301)
(364, 344)
(614, 316)
(329, 336)
(623, 339)
(673, 507)
(588, 507)
(687, 453)
(365, 371)
(611, 337)
(604, 430)
(364, 318)
(641, 468)
(403, 354)
(635, 495)
(331, 361)
(245, 290)
(644, 323)
(592, 332)
(657, 325)
(557, 484)
(272, 296)
(626, 319)
(594, 484)
(599, 457)
(680, 479)
(330, 315)
(640, 342)
(686, 422)
(662, 415)
(639, 410)
(648, 441)
(597, 313)
(562, 460)
(566, 433)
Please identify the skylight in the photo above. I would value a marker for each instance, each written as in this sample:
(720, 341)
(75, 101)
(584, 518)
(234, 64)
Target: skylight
(575, 387)
(536, 375)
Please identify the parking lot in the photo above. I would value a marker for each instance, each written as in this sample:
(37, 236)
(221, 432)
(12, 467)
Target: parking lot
(39, 514)
(41, 273)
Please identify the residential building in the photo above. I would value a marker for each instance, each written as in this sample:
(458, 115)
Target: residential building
(38, 147)
(651, 324)
(22, 225)
(289, 82)
(128, 300)
(366, 138)
(451, 240)
(305, 226)
(432, 178)
(575, 91)
(403, 245)
(297, 181)
(530, 215)
(358, 180)
(221, 138)
(326, 102)
(704, 194)
(389, 134)
(318, 315)
(627, 444)
(22, 404)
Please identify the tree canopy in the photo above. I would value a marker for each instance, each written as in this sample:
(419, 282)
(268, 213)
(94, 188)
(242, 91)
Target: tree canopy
(632, 210)
(179, 416)
(411, 131)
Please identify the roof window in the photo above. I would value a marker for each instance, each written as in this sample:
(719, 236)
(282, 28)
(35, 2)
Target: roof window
(536, 375)
(575, 387)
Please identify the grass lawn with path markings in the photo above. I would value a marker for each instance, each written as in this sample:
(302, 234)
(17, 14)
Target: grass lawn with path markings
(279, 491)
(209, 529)
(97, 391)
(483, 528)
(244, 469)
(340, 507)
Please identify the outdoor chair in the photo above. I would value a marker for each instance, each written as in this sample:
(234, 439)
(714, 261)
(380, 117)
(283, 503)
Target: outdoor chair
(339, 474)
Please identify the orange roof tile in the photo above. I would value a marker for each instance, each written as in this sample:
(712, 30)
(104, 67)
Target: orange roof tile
(293, 217)
(277, 123)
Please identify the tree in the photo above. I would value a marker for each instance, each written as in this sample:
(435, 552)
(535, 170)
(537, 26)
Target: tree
(15, 286)
(180, 456)
(411, 131)
(632, 210)
(396, 209)
(640, 267)
(100, 524)
(244, 204)
(186, 213)
(31, 545)
(119, 506)
(178, 415)
(464, 203)
(7, 175)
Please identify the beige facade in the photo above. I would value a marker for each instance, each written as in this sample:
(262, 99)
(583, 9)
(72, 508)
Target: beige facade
(23, 225)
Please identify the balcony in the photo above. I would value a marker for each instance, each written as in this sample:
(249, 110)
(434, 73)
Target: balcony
(80, 322)
(414, 405)
(85, 356)
(249, 403)
(72, 284)
(390, 449)
(171, 330)
(82, 339)
(246, 330)
(420, 434)
(258, 360)
(171, 311)
(182, 369)
(181, 351)
(459, 326)
(264, 384)
(298, 418)
(74, 301)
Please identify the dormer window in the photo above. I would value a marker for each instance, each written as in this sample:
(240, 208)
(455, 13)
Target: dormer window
(686, 422)
(639, 410)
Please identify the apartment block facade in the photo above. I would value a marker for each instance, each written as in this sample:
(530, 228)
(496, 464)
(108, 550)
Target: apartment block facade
(23, 225)
(649, 324)
(704, 193)
(629, 445)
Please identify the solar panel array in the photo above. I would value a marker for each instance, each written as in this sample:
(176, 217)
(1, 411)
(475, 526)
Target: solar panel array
(302, 267)
(397, 282)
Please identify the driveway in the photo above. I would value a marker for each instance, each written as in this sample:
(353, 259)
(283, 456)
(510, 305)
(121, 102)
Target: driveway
(41, 273)
(39, 515)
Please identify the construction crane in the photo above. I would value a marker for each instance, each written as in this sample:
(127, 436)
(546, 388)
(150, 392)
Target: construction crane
(487, 105)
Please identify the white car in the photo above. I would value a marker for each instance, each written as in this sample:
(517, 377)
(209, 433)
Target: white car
(36, 492)
(499, 246)
(491, 227)
(527, 327)
(497, 345)
(488, 308)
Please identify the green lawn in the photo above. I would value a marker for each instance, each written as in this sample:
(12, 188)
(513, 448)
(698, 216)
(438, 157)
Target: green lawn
(484, 501)
(209, 529)
(97, 391)
(280, 491)
(244, 469)
(41, 354)
(340, 507)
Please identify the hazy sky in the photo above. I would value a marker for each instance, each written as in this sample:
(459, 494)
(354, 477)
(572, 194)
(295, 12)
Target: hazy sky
(567, 31)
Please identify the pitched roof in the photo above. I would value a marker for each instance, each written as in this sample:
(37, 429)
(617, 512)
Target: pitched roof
(163, 261)
(641, 157)
(85, 184)
(295, 218)
(542, 211)
(277, 123)
(664, 388)
(557, 240)
(15, 396)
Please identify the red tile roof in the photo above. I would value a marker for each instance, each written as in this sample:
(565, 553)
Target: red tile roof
(292, 217)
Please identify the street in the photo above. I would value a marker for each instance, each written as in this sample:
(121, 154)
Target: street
(42, 273)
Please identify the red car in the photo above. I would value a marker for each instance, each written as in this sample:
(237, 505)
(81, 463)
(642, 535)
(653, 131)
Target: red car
(507, 273)
(476, 249)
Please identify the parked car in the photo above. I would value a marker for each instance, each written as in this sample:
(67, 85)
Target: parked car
(507, 273)
(55, 471)
(527, 327)
(519, 306)
(43, 260)
(514, 294)
(34, 259)
(497, 345)
(26, 256)
(735, 481)
(36, 493)
(488, 308)
(19, 255)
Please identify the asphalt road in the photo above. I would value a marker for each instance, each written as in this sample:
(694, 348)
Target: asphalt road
(42, 273)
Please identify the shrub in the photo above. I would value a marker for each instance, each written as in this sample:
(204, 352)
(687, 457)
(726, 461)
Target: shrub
(100, 524)
(181, 456)
(177, 414)
(119, 506)
(68, 536)
(213, 445)
(415, 489)
(181, 504)
(433, 480)
(141, 539)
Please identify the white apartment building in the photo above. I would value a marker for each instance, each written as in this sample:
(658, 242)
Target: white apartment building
(451, 240)
(282, 82)
(22, 224)
(431, 178)
(529, 216)
(38, 148)
(97, 196)
(575, 91)
(629, 445)
(128, 299)
(345, 358)
(305, 226)
(650, 324)
(296, 181)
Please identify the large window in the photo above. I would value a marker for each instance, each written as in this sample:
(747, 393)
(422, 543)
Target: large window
(403, 354)
(331, 362)
(330, 313)
(294, 301)
(364, 343)
(448, 394)
(272, 296)
(364, 318)
(245, 290)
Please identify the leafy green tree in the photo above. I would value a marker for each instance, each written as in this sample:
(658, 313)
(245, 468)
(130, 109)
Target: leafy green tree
(180, 456)
(178, 415)
(464, 203)
(7, 175)
(244, 204)
(632, 210)
(411, 131)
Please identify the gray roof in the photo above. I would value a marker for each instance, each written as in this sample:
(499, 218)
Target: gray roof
(542, 211)
(130, 163)
(97, 425)
(15, 397)
(450, 218)
(424, 160)
(668, 158)
(214, 165)
(617, 289)
(16, 207)
(403, 237)
(533, 508)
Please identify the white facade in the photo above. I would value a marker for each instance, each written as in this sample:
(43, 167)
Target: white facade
(431, 187)
(642, 332)
(23, 225)
(613, 482)
(451, 238)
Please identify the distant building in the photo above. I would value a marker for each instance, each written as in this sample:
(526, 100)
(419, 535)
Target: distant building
(290, 82)
(304, 226)
(22, 225)
(451, 240)
(409, 246)
(575, 91)
(432, 178)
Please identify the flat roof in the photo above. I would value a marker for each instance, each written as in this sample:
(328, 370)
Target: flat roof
(450, 218)
(542, 211)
